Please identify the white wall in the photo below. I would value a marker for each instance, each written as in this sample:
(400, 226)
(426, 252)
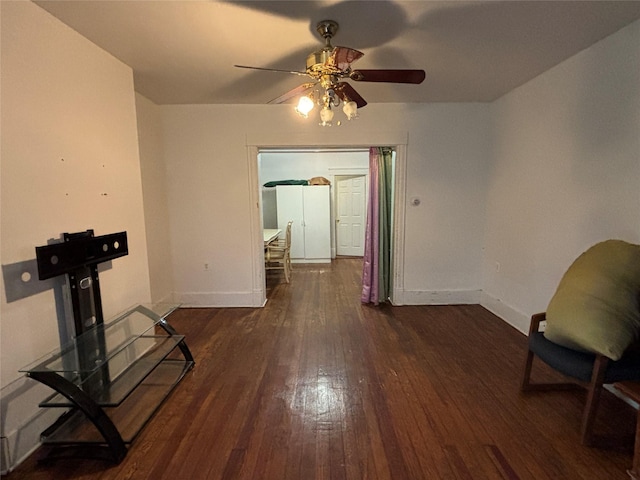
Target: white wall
(154, 190)
(301, 165)
(209, 192)
(565, 173)
(447, 171)
(69, 163)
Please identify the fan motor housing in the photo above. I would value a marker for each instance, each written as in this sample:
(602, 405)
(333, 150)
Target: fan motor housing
(316, 60)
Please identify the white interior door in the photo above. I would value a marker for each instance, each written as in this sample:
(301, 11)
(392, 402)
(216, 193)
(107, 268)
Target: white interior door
(351, 215)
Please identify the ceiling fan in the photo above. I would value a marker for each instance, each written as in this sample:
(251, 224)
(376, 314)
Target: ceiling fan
(327, 68)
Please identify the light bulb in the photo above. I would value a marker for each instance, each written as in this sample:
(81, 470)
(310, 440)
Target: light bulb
(326, 115)
(350, 109)
(305, 105)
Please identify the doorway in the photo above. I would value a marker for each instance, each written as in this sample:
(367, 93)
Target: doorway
(398, 141)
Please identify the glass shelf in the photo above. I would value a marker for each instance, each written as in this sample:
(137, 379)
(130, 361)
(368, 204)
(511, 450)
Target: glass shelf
(131, 416)
(118, 388)
(118, 335)
(111, 379)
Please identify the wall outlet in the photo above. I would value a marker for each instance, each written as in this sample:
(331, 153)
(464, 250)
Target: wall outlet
(497, 266)
(206, 266)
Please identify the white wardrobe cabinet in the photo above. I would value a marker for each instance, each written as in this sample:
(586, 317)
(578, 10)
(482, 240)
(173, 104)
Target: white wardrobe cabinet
(310, 210)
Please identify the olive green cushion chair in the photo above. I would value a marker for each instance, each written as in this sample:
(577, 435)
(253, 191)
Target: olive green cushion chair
(592, 326)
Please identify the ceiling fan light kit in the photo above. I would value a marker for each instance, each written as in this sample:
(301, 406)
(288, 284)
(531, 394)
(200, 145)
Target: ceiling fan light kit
(326, 102)
(327, 67)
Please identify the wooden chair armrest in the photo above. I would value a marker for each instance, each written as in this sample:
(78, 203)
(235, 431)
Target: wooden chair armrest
(536, 318)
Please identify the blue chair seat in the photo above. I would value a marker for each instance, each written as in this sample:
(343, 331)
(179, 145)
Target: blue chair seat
(579, 365)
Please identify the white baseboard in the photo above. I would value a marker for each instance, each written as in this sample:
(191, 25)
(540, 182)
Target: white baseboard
(437, 297)
(168, 298)
(19, 444)
(23, 420)
(219, 300)
(516, 319)
(5, 456)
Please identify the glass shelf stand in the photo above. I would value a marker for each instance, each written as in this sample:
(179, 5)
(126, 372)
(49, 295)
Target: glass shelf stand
(111, 379)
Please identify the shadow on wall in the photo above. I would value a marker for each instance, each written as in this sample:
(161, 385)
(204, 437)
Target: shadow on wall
(21, 281)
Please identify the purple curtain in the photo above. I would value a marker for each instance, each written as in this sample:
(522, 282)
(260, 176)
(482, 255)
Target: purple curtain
(370, 269)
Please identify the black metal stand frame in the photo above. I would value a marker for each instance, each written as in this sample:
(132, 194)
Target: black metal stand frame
(115, 449)
(78, 258)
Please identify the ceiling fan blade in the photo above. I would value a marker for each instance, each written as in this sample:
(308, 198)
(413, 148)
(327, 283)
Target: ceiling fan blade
(272, 70)
(343, 57)
(299, 90)
(391, 76)
(346, 92)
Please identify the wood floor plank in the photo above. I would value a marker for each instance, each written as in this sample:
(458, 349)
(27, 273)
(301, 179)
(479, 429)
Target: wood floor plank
(316, 385)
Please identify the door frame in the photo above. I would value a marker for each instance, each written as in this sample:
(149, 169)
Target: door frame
(256, 144)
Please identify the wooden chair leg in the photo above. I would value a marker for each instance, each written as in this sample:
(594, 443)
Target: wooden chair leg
(593, 398)
(285, 265)
(536, 319)
(525, 385)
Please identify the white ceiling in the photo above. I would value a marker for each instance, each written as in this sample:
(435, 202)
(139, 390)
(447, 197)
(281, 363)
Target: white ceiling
(183, 52)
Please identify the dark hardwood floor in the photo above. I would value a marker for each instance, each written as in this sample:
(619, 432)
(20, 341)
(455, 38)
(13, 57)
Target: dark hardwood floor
(317, 386)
